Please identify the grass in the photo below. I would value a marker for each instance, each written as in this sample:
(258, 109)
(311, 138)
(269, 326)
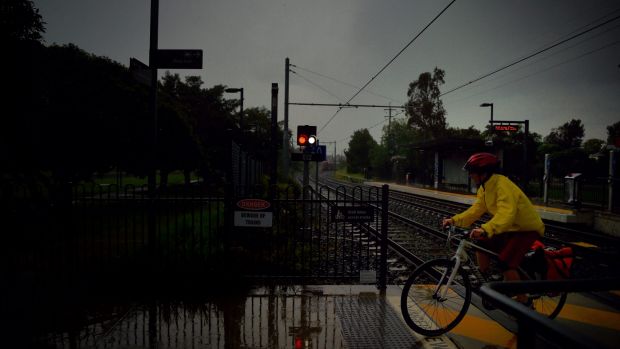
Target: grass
(176, 177)
(351, 177)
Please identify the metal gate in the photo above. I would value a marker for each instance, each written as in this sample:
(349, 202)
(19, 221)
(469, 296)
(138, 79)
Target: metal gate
(329, 235)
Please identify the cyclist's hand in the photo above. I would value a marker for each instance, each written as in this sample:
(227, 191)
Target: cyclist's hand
(447, 222)
(478, 233)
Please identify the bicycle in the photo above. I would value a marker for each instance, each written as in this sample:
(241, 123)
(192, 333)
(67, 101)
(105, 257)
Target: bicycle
(437, 295)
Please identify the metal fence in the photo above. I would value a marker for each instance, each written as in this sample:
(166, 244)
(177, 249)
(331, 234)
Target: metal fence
(305, 241)
(104, 228)
(535, 330)
(94, 229)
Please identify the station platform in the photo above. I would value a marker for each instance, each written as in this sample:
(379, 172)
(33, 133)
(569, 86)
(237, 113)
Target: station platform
(549, 213)
(318, 317)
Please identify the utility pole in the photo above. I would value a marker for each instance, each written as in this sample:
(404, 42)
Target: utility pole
(274, 127)
(285, 137)
(152, 181)
(389, 135)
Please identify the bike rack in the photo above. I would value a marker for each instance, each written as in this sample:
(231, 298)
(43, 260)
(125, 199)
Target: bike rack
(532, 325)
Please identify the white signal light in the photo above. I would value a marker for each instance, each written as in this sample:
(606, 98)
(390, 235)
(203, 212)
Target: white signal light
(312, 140)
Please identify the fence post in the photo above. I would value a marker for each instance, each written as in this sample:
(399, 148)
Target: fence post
(385, 192)
(610, 181)
(546, 179)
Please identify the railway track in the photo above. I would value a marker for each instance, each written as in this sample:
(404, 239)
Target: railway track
(415, 236)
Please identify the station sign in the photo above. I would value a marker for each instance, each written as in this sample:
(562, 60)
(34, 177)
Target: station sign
(251, 212)
(509, 128)
(179, 59)
(352, 214)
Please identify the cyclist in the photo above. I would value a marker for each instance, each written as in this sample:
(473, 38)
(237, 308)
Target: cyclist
(515, 224)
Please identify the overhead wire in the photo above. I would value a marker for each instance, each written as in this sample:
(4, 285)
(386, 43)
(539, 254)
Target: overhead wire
(538, 72)
(388, 63)
(316, 85)
(530, 56)
(344, 83)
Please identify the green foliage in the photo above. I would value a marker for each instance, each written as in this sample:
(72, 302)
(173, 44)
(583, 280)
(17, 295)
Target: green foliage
(613, 134)
(424, 108)
(569, 135)
(380, 161)
(399, 137)
(463, 133)
(593, 145)
(20, 21)
(360, 148)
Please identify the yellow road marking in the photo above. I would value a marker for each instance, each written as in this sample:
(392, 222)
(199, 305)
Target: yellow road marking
(485, 331)
(584, 244)
(596, 317)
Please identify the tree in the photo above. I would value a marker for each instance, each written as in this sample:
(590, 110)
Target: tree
(466, 133)
(613, 134)
(360, 148)
(424, 108)
(20, 21)
(569, 135)
(399, 137)
(593, 145)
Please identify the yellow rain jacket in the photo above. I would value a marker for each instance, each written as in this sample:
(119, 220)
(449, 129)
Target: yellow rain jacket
(511, 209)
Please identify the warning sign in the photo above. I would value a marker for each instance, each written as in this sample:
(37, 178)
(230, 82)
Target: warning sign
(255, 213)
(353, 214)
(253, 219)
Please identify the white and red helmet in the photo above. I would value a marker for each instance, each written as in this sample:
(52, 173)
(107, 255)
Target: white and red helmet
(481, 162)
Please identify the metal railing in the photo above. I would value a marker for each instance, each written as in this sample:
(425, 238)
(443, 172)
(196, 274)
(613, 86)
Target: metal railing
(534, 329)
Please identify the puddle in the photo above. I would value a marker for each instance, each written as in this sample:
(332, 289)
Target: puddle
(279, 317)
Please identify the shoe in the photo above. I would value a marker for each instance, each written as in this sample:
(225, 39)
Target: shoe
(529, 304)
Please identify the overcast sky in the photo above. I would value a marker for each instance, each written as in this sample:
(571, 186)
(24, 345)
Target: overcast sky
(338, 44)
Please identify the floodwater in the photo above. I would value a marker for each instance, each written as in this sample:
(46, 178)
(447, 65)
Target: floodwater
(272, 317)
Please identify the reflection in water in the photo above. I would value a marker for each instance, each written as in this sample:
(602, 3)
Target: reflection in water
(269, 318)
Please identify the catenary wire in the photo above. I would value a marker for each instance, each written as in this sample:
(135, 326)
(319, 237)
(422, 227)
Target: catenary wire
(529, 56)
(316, 85)
(343, 83)
(388, 63)
(538, 72)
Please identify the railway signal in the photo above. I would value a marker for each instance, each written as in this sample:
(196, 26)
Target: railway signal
(306, 135)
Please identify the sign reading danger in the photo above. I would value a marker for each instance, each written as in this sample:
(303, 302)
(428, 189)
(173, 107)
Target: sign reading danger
(353, 214)
(253, 213)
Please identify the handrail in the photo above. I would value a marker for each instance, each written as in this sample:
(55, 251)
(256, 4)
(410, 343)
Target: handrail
(531, 323)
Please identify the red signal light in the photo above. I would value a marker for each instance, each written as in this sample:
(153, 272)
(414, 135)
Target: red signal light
(299, 343)
(302, 139)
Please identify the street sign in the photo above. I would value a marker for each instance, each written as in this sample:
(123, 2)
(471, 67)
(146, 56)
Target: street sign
(306, 157)
(509, 128)
(140, 72)
(353, 214)
(254, 213)
(320, 150)
(179, 59)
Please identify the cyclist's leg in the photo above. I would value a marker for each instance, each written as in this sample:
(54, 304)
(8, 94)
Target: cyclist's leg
(483, 260)
(516, 245)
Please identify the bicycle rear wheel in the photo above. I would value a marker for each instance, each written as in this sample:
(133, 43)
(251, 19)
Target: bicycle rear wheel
(424, 306)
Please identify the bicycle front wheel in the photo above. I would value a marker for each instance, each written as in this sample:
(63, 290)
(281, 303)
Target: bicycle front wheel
(430, 306)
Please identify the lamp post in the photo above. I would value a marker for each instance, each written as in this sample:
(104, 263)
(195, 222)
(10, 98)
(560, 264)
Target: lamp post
(488, 105)
(240, 91)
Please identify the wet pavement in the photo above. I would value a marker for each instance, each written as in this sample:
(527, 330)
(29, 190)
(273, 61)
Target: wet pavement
(272, 317)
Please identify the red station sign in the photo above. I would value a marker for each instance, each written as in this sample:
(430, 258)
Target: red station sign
(510, 128)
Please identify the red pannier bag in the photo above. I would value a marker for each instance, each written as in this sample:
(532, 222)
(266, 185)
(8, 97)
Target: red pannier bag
(552, 263)
(559, 262)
